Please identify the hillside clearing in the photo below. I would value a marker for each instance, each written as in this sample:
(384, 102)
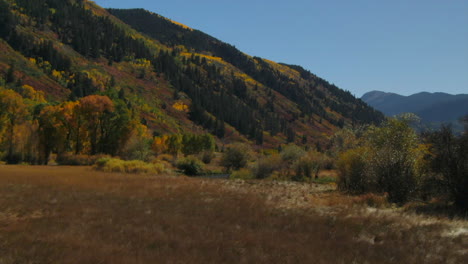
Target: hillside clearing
(77, 215)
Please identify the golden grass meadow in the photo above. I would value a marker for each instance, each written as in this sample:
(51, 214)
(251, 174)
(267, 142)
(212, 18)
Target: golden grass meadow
(55, 214)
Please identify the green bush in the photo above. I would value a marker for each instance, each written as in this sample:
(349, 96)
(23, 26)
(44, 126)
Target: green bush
(194, 144)
(394, 173)
(138, 149)
(243, 174)
(123, 166)
(264, 167)
(190, 166)
(235, 157)
(393, 163)
(305, 168)
(308, 165)
(207, 156)
(389, 163)
(352, 174)
(291, 153)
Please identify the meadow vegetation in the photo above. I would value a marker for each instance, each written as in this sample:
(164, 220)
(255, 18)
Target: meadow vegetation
(308, 163)
(53, 214)
(130, 166)
(390, 159)
(190, 165)
(394, 160)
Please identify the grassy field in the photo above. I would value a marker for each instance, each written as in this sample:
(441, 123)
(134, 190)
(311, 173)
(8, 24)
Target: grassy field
(77, 215)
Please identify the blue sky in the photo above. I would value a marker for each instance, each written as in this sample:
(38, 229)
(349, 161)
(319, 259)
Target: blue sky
(401, 46)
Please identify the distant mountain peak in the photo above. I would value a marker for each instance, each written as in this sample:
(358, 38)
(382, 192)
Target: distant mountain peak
(431, 107)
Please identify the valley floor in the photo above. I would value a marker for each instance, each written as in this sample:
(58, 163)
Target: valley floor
(57, 214)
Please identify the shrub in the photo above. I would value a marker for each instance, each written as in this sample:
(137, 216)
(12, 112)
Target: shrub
(207, 156)
(324, 180)
(264, 167)
(138, 149)
(389, 163)
(292, 153)
(78, 160)
(269, 152)
(372, 200)
(235, 157)
(393, 162)
(449, 162)
(306, 167)
(342, 141)
(190, 165)
(328, 163)
(243, 174)
(394, 172)
(132, 166)
(309, 165)
(166, 157)
(352, 170)
(194, 144)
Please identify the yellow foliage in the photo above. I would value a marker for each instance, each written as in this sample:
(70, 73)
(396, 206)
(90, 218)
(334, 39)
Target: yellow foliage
(132, 166)
(419, 155)
(208, 57)
(180, 106)
(159, 144)
(181, 48)
(248, 80)
(98, 78)
(56, 74)
(45, 65)
(94, 105)
(13, 112)
(25, 139)
(141, 63)
(142, 131)
(181, 25)
(285, 70)
(186, 54)
(225, 67)
(352, 166)
(30, 93)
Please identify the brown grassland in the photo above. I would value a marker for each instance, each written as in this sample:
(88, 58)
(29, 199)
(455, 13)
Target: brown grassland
(55, 214)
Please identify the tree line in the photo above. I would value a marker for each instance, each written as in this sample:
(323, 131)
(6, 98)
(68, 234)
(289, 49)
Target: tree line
(31, 129)
(394, 160)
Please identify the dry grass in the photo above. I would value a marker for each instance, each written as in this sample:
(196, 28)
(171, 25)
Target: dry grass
(77, 215)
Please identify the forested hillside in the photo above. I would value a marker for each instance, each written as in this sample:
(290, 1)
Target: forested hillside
(312, 96)
(76, 79)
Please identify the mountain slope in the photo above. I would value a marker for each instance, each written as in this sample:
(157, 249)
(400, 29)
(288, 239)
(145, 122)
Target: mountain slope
(168, 77)
(431, 107)
(311, 94)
